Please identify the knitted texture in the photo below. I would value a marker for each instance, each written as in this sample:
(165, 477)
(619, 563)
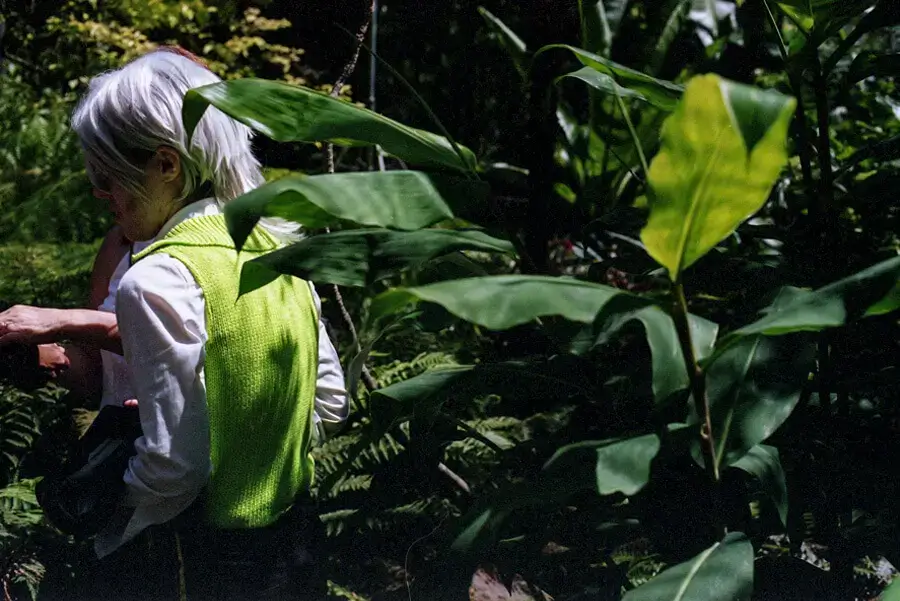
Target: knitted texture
(261, 367)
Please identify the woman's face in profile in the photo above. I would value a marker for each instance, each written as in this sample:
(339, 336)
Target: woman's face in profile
(141, 216)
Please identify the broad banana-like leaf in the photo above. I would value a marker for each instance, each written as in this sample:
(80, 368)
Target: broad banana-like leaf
(873, 291)
(608, 466)
(290, 113)
(871, 64)
(512, 43)
(722, 151)
(673, 26)
(604, 83)
(659, 93)
(724, 572)
(668, 366)
(764, 463)
(752, 388)
(402, 200)
(505, 301)
(362, 257)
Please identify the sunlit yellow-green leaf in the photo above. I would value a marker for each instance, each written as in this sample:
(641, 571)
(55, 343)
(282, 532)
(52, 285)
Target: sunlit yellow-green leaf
(722, 151)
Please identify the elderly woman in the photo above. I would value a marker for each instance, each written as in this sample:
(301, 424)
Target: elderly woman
(230, 388)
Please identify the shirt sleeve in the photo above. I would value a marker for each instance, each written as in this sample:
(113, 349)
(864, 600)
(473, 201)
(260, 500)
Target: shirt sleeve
(161, 314)
(332, 404)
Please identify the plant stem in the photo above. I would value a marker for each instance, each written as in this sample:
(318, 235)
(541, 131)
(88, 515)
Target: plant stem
(697, 379)
(633, 132)
(826, 189)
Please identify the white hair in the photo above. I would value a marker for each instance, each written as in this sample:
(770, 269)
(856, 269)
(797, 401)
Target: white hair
(130, 112)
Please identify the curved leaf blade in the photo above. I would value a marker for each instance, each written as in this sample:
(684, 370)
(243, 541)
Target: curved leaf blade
(752, 388)
(873, 291)
(763, 462)
(289, 113)
(722, 151)
(659, 93)
(512, 43)
(603, 83)
(505, 301)
(620, 466)
(362, 257)
(403, 200)
(724, 572)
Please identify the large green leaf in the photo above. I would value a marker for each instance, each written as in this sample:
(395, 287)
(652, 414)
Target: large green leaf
(403, 200)
(662, 94)
(505, 301)
(361, 257)
(872, 64)
(752, 387)
(603, 82)
(724, 572)
(289, 113)
(892, 592)
(672, 27)
(668, 366)
(607, 466)
(722, 151)
(873, 291)
(620, 465)
(764, 463)
(513, 44)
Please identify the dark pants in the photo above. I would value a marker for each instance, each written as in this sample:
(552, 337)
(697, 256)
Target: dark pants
(186, 560)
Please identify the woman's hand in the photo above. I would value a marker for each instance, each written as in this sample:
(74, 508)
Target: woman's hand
(29, 325)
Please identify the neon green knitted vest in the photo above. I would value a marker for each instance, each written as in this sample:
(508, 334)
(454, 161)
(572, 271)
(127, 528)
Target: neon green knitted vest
(260, 371)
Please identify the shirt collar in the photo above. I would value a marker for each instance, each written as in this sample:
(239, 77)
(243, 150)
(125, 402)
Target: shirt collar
(200, 208)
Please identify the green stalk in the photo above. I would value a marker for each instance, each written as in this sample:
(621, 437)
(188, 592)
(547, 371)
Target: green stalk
(697, 379)
(633, 132)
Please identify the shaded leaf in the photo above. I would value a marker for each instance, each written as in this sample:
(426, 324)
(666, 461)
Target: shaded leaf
(722, 151)
(659, 93)
(403, 200)
(621, 465)
(505, 301)
(362, 257)
(871, 64)
(673, 26)
(752, 388)
(764, 463)
(608, 466)
(289, 113)
(513, 44)
(873, 291)
(723, 572)
(668, 367)
(603, 82)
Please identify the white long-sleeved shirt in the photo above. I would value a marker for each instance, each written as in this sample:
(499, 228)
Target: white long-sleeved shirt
(161, 313)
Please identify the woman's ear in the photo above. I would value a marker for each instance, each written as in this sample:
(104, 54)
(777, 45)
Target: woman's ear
(168, 162)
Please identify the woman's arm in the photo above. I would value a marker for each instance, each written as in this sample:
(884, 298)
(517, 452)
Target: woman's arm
(38, 325)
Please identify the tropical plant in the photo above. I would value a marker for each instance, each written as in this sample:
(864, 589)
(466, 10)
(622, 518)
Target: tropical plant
(714, 398)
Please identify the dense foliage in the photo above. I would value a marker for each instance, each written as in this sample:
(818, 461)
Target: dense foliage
(621, 326)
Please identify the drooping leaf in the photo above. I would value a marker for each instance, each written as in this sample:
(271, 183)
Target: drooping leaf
(752, 388)
(886, 13)
(608, 466)
(673, 26)
(603, 82)
(402, 200)
(885, 150)
(362, 257)
(512, 43)
(659, 93)
(289, 113)
(764, 463)
(872, 64)
(505, 301)
(873, 291)
(621, 465)
(668, 367)
(724, 572)
(596, 33)
(722, 151)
